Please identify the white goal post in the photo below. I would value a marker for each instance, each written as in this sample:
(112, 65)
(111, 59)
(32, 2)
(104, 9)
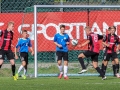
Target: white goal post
(58, 6)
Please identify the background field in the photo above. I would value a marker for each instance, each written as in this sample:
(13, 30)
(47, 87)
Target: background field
(51, 69)
(53, 83)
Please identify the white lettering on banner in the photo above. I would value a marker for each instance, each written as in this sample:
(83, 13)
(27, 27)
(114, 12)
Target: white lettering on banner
(1, 24)
(44, 28)
(49, 25)
(30, 33)
(116, 24)
(105, 27)
(95, 26)
(78, 29)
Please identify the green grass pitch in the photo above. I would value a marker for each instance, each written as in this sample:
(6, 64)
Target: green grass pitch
(53, 83)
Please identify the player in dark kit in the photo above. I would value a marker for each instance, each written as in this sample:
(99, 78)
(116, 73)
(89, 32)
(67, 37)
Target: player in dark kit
(5, 45)
(104, 49)
(112, 47)
(93, 51)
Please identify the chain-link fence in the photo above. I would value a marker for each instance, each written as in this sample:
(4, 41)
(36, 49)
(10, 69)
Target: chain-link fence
(49, 19)
(20, 5)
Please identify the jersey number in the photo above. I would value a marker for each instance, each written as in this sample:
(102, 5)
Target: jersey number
(95, 38)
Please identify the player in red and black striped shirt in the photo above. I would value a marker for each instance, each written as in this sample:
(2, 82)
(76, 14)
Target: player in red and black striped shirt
(93, 51)
(104, 49)
(112, 47)
(5, 45)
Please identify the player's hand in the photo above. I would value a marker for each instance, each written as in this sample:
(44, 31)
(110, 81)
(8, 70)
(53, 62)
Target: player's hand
(79, 45)
(108, 45)
(32, 53)
(104, 48)
(59, 45)
(104, 33)
(117, 51)
(12, 45)
(67, 43)
(16, 57)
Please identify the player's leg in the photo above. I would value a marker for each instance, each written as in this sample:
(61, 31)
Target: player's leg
(114, 68)
(13, 67)
(81, 57)
(105, 66)
(22, 58)
(95, 65)
(59, 61)
(1, 62)
(26, 60)
(102, 66)
(117, 67)
(65, 57)
(25, 69)
(106, 59)
(10, 57)
(115, 58)
(1, 57)
(25, 65)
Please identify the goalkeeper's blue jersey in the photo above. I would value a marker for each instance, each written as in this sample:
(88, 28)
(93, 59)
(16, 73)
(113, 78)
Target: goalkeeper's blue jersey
(24, 44)
(62, 39)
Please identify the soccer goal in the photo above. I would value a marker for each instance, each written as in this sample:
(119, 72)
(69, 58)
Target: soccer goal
(43, 21)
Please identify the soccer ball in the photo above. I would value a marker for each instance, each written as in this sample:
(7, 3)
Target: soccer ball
(74, 42)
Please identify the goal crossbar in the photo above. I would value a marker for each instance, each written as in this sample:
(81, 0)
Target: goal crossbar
(58, 6)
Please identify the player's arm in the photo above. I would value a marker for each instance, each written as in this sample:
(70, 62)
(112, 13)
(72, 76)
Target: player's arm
(57, 44)
(16, 56)
(85, 43)
(104, 41)
(17, 46)
(55, 41)
(118, 44)
(68, 41)
(89, 38)
(12, 38)
(31, 49)
(1, 33)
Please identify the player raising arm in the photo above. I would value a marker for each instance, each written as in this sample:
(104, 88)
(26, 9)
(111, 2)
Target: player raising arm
(93, 51)
(23, 44)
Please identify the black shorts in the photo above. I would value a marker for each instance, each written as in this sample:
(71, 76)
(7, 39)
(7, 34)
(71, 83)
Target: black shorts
(108, 56)
(93, 55)
(61, 55)
(24, 57)
(8, 53)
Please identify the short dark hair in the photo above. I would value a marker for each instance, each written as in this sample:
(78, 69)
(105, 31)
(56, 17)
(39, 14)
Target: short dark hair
(62, 26)
(113, 27)
(24, 31)
(108, 28)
